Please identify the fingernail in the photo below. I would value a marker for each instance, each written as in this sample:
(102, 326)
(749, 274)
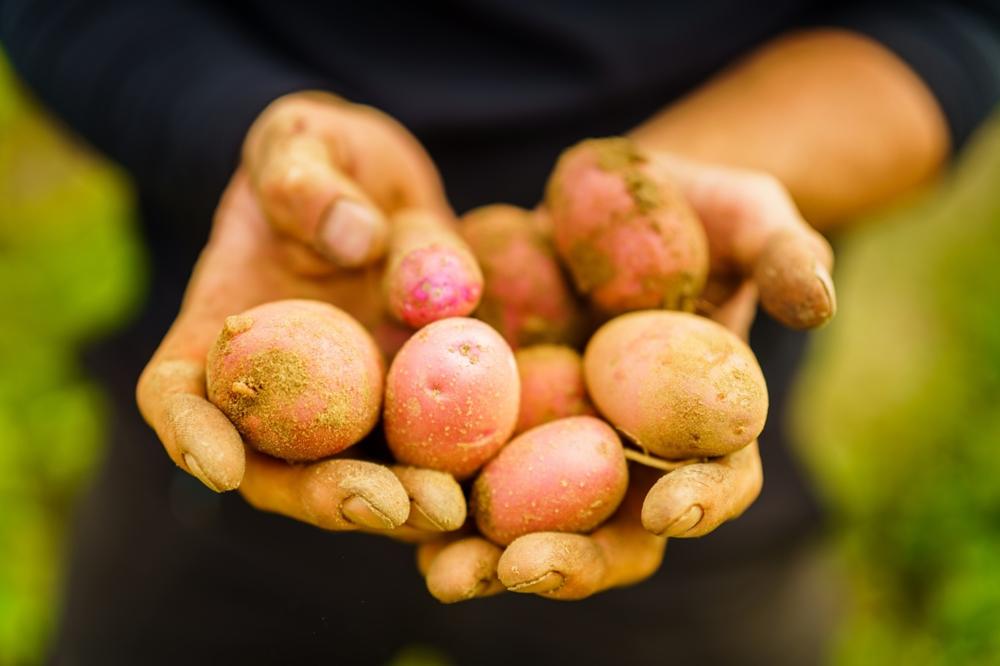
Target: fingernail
(361, 512)
(208, 443)
(420, 520)
(195, 468)
(548, 582)
(687, 521)
(352, 234)
(826, 281)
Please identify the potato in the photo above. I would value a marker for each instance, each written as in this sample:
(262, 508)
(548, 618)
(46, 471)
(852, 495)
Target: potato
(551, 385)
(679, 385)
(300, 380)
(568, 475)
(628, 236)
(452, 397)
(431, 273)
(526, 295)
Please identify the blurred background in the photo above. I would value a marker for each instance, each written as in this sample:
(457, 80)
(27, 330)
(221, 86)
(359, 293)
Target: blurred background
(897, 411)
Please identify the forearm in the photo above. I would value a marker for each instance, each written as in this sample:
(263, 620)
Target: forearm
(838, 118)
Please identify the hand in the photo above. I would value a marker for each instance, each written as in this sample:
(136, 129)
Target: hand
(319, 180)
(757, 241)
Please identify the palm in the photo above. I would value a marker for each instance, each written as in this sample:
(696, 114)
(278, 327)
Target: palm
(252, 258)
(247, 262)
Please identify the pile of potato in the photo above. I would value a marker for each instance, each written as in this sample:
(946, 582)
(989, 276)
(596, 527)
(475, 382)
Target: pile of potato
(548, 348)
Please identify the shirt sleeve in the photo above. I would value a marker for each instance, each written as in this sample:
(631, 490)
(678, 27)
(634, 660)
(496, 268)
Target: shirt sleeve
(167, 88)
(953, 47)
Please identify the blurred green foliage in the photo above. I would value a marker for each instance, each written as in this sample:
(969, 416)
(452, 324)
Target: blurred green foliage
(898, 415)
(71, 267)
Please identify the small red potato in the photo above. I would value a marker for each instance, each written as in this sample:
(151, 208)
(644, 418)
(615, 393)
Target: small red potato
(301, 380)
(630, 239)
(678, 385)
(568, 475)
(551, 385)
(452, 396)
(431, 273)
(526, 295)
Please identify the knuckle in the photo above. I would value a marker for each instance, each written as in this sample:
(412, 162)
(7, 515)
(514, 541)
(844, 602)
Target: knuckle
(161, 378)
(768, 189)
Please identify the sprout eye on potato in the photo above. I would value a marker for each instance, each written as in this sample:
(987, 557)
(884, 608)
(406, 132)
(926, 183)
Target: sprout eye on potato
(300, 380)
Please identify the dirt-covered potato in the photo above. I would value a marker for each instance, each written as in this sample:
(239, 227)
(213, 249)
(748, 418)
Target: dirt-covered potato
(551, 385)
(452, 396)
(430, 273)
(300, 380)
(526, 295)
(679, 385)
(568, 475)
(629, 237)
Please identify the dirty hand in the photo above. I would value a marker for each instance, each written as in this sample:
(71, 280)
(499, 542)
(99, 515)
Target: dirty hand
(758, 243)
(319, 182)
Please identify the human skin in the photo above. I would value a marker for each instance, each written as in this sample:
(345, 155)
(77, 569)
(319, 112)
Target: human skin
(320, 179)
(270, 241)
(820, 125)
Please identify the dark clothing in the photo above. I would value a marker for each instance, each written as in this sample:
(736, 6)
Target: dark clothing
(169, 87)
(163, 570)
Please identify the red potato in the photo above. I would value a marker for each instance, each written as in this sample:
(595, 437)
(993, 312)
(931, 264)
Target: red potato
(568, 475)
(452, 396)
(526, 295)
(679, 385)
(551, 385)
(630, 239)
(431, 273)
(301, 380)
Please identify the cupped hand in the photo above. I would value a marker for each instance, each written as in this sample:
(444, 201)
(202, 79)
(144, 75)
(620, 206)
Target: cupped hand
(319, 183)
(759, 245)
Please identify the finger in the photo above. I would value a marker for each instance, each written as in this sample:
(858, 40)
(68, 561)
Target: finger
(694, 500)
(328, 172)
(338, 494)
(794, 279)
(737, 312)
(437, 503)
(461, 570)
(307, 197)
(196, 435)
(752, 223)
(575, 566)
(554, 564)
(428, 551)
